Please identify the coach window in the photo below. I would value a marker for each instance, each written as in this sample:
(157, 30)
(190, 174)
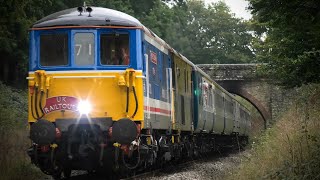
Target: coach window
(84, 49)
(54, 49)
(114, 49)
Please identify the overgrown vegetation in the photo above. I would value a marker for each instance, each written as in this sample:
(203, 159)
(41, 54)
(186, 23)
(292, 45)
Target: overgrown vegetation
(291, 44)
(290, 149)
(14, 163)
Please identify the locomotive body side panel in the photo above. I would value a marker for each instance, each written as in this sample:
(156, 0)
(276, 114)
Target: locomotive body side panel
(158, 112)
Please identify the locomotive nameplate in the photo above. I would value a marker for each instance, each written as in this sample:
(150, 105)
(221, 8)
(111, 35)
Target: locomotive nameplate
(59, 103)
(154, 58)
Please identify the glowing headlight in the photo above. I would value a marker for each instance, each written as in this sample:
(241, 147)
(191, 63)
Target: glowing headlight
(84, 107)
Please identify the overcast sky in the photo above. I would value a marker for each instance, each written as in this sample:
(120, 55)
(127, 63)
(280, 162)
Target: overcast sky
(237, 6)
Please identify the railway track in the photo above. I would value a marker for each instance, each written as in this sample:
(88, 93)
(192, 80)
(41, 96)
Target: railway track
(172, 168)
(169, 169)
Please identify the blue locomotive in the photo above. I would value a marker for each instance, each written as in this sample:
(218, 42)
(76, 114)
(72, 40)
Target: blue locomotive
(106, 93)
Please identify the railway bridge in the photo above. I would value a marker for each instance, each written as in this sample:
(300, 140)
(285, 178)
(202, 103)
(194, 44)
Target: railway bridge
(246, 81)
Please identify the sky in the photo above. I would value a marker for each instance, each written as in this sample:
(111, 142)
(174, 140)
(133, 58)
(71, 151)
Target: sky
(236, 6)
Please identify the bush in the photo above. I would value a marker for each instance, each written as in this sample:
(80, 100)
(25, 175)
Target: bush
(290, 149)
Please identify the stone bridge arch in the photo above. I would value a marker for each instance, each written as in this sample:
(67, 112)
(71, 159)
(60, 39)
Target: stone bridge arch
(235, 87)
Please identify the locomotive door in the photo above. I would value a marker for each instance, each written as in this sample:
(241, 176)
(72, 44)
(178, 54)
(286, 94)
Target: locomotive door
(149, 87)
(154, 86)
(166, 97)
(170, 94)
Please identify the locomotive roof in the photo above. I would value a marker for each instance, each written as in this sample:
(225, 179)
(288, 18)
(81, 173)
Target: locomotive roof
(98, 17)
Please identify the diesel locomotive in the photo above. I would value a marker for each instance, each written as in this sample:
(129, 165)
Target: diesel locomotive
(107, 94)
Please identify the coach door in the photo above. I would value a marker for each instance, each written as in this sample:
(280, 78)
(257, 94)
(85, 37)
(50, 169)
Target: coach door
(170, 94)
(167, 95)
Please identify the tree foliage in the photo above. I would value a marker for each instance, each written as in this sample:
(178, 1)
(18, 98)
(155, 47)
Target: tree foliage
(216, 35)
(203, 33)
(292, 44)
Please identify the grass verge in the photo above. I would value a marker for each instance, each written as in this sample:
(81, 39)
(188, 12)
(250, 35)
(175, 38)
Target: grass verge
(290, 149)
(14, 141)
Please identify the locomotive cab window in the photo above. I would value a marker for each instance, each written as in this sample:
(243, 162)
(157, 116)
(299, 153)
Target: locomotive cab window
(114, 49)
(54, 49)
(84, 49)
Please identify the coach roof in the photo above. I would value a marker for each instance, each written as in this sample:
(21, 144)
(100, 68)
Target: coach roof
(98, 17)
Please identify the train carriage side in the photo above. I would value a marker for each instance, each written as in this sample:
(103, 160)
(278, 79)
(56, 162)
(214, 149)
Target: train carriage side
(236, 127)
(229, 117)
(244, 124)
(203, 92)
(219, 111)
(182, 70)
(211, 115)
(248, 124)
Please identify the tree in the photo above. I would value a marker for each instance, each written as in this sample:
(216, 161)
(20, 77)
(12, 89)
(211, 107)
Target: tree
(211, 34)
(14, 40)
(292, 44)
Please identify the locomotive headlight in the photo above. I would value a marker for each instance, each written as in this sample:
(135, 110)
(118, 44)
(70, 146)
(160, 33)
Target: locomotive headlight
(84, 107)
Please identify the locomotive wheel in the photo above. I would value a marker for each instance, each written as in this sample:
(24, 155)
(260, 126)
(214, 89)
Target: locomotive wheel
(67, 173)
(56, 175)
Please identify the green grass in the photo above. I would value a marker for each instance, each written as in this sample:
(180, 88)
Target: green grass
(14, 141)
(291, 148)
